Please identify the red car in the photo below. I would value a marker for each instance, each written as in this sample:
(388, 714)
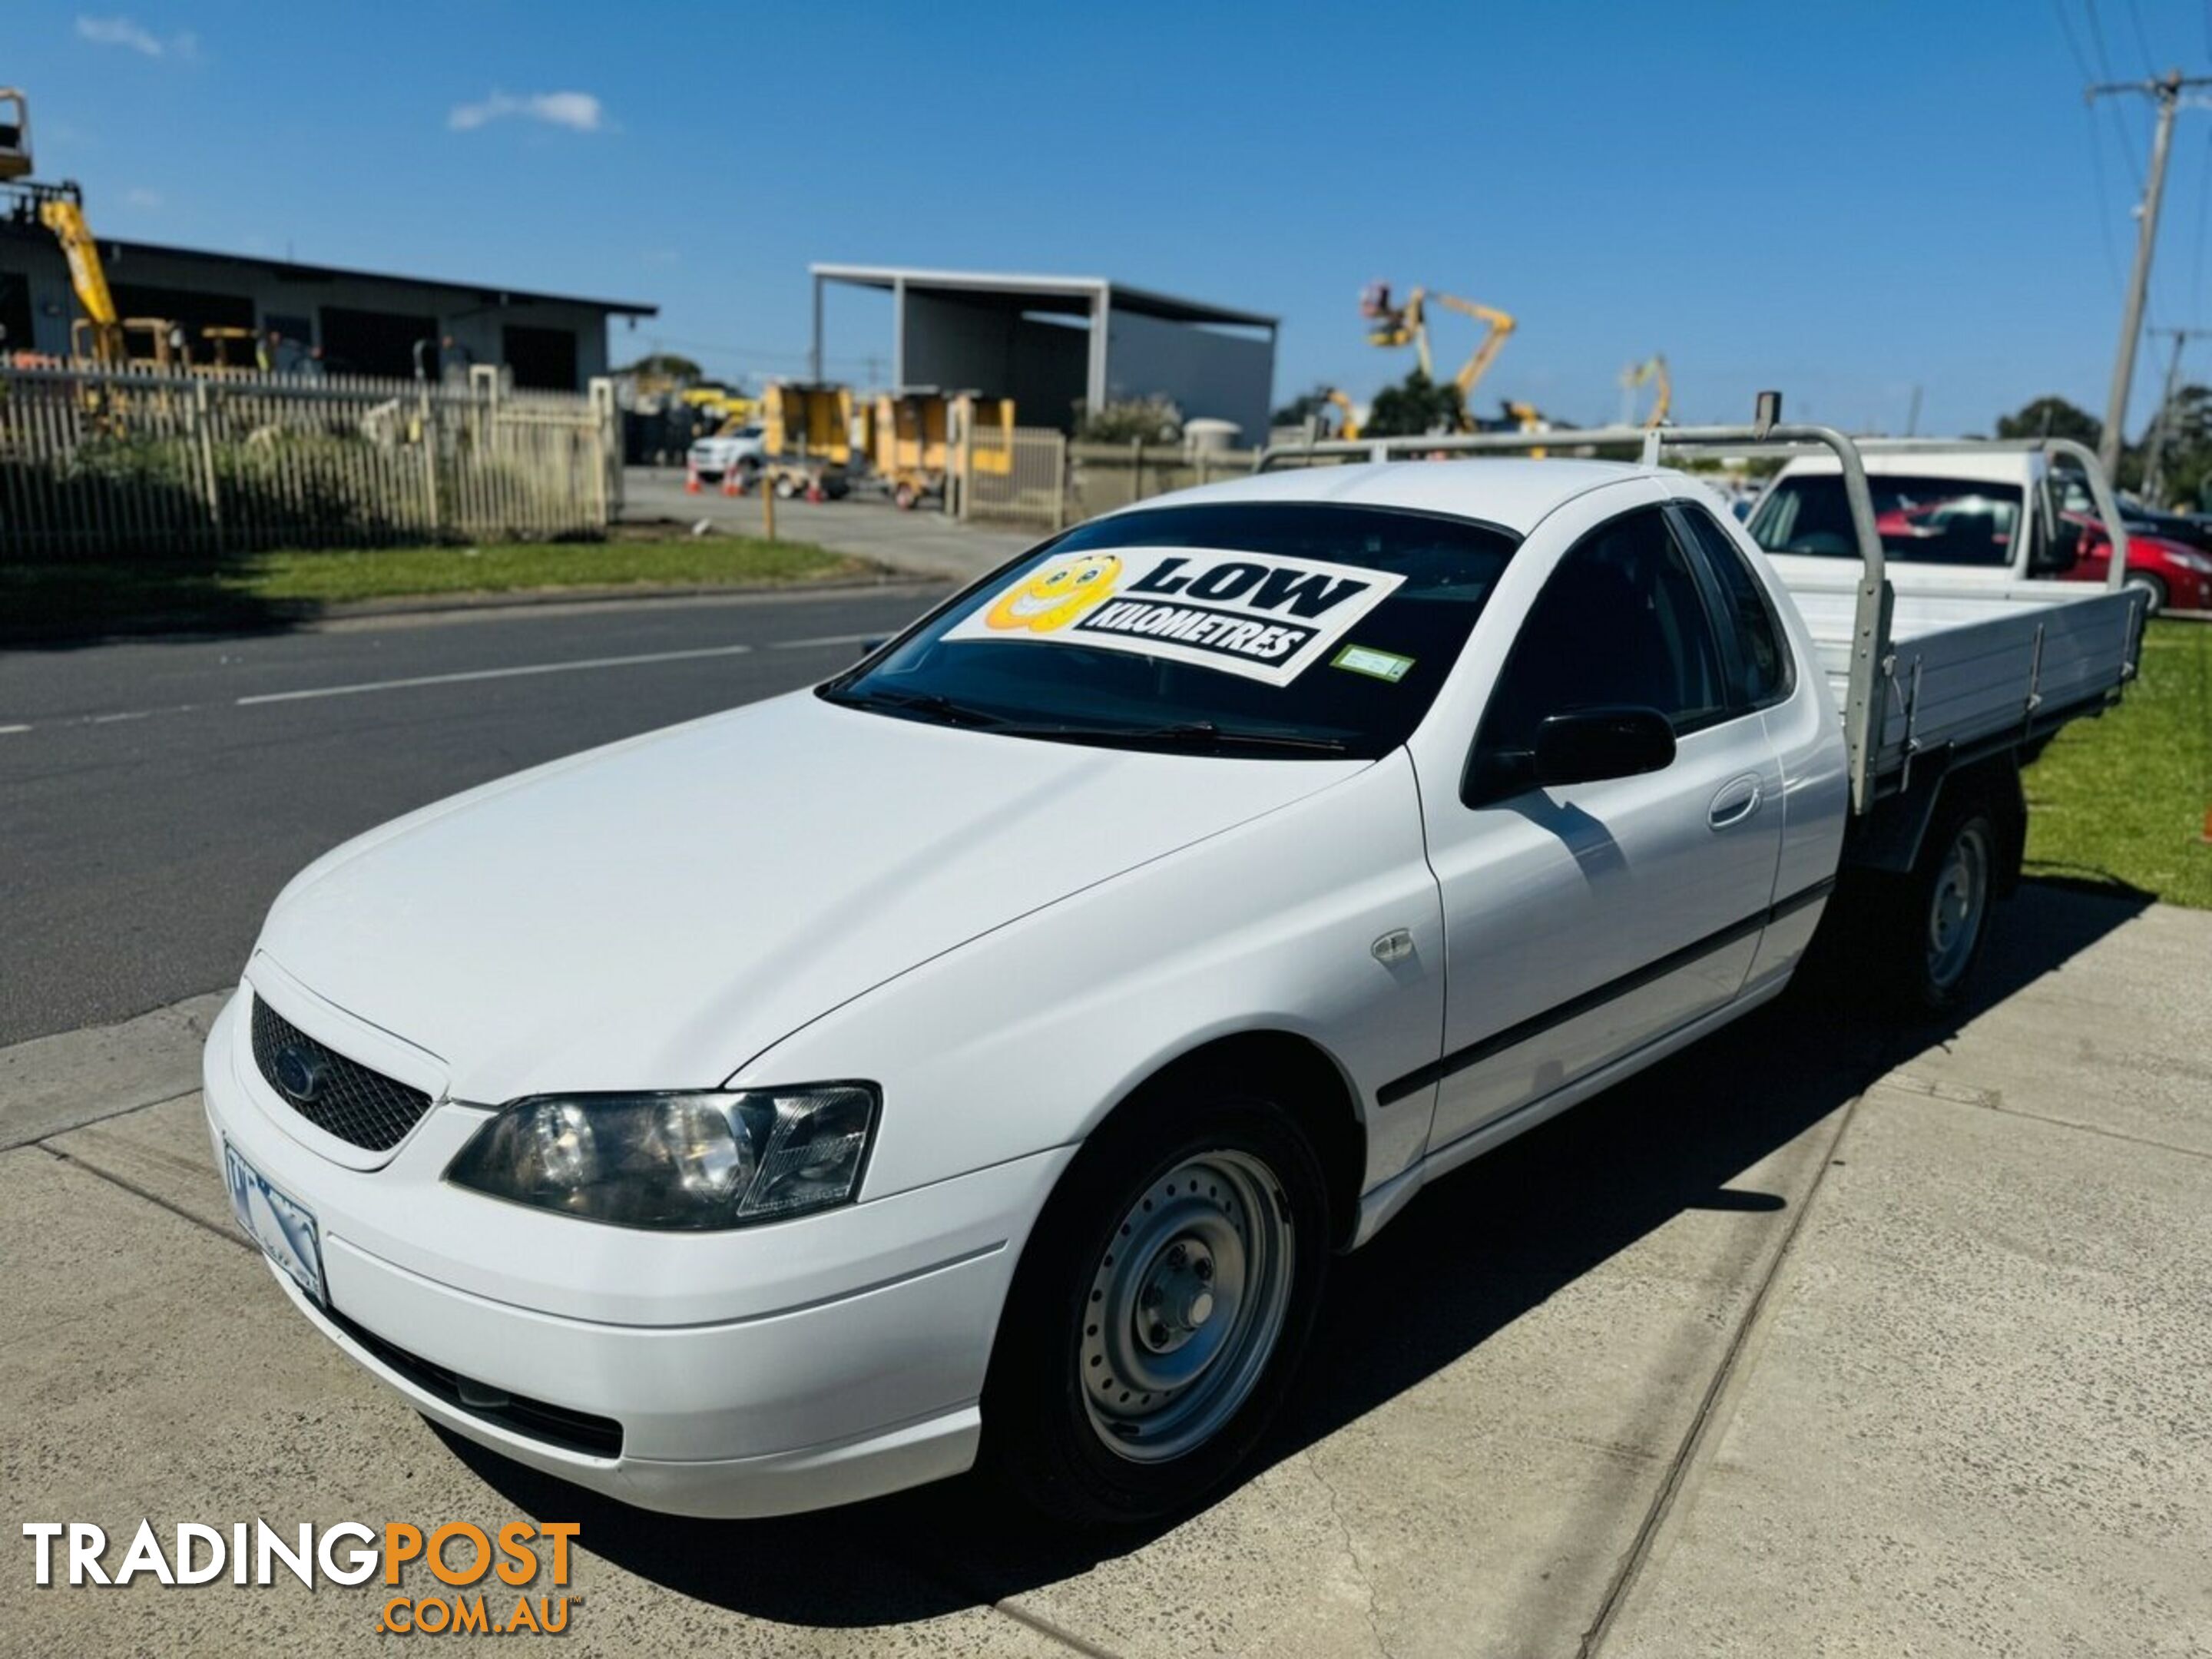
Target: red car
(2176, 577)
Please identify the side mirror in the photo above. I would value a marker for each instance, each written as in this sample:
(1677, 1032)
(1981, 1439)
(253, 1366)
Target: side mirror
(1592, 744)
(2059, 553)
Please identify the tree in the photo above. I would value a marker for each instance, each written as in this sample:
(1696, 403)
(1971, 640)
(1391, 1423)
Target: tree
(664, 365)
(2051, 417)
(2184, 439)
(1153, 420)
(1414, 407)
(1306, 406)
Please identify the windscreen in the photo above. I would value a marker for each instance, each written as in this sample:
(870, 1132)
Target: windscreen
(1928, 519)
(1277, 629)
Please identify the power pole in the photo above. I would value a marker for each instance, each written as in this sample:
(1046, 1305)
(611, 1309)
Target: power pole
(2154, 463)
(2168, 89)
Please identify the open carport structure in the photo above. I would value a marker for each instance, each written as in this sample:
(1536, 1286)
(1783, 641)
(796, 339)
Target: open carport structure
(1049, 342)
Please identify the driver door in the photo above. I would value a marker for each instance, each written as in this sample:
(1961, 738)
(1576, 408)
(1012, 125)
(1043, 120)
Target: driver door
(1584, 922)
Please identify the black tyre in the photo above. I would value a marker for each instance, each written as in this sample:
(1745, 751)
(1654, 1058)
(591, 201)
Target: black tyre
(2145, 582)
(1160, 1309)
(1939, 915)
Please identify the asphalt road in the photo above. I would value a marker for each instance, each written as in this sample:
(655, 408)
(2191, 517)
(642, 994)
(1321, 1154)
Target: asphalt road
(154, 795)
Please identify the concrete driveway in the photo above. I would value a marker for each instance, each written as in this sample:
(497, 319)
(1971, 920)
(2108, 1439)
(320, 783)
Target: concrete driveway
(924, 543)
(1821, 1337)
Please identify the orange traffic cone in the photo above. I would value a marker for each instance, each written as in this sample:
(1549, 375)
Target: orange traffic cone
(691, 479)
(814, 493)
(733, 482)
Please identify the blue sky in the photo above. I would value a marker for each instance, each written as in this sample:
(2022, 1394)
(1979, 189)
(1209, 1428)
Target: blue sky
(1843, 201)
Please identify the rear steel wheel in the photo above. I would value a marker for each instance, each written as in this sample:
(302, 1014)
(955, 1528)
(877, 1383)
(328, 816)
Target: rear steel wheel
(1958, 906)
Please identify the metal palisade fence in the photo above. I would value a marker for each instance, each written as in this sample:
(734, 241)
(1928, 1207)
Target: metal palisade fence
(136, 462)
(1012, 476)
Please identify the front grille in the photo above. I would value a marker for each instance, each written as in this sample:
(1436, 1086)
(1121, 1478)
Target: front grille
(557, 1425)
(343, 1097)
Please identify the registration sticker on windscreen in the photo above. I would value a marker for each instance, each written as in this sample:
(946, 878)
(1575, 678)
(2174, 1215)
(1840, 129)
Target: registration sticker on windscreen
(1253, 614)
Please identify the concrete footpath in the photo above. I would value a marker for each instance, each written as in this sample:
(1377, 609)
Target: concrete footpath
(1819, 1337)
(923, 542)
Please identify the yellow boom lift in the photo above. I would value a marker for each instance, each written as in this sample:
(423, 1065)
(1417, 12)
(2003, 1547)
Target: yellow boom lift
(1402, 323)
(1651, 371)
(60, 208)
(101, 336)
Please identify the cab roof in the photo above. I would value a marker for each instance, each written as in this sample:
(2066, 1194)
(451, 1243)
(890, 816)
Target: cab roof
(1514, 494)
(2010, 467)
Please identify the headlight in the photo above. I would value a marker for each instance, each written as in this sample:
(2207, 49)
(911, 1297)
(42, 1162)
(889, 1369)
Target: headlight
(689, 1161)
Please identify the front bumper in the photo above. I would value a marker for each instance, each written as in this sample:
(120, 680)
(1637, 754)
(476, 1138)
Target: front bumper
(756, 1372)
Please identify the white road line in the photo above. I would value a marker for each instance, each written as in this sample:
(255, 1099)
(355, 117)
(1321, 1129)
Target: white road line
(831, 639)
(5, 729)
(494, 674)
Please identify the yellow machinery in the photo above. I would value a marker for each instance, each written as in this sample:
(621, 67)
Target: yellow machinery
(1347, 417)
(65, 217)
(1405, 323)
(732, 409)
(1652, 370)
(154, 340)
(230, 351)
(906, 437)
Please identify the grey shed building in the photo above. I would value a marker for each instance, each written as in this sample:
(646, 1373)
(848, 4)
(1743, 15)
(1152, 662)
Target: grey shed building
(1050, 342)
(366, 322)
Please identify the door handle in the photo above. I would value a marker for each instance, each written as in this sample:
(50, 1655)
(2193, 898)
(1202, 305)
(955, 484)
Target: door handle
(1738, 800)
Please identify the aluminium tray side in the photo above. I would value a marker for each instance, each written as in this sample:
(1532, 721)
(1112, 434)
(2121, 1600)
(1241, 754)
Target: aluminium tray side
(1969, 667)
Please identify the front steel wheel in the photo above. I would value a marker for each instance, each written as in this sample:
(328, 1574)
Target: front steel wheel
(1187, 1306)
(1160, 1306)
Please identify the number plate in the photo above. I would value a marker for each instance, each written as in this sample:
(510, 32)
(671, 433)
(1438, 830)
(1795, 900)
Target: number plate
(283, 1227)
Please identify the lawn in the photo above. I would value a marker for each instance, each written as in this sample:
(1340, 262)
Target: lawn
(2123, 797)
(90, 596)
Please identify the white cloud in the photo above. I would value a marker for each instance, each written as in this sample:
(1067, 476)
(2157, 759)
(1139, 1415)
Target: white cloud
(578, 110)
(139, 197)
(120, 32)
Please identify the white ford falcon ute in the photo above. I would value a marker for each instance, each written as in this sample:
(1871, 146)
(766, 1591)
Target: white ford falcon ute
(980, 1056)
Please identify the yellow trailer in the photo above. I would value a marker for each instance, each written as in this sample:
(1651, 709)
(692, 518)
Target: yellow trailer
(806, 443)
(908, 439)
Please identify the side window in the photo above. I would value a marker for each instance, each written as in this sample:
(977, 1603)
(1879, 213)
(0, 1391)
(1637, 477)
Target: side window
(1762, 666)
(1621, 620)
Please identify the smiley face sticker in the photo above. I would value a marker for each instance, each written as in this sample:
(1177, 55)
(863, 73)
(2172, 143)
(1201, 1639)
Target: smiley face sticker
(1056, 595)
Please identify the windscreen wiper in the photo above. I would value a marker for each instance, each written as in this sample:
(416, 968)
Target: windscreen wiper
(925, 702)
(1205, 733)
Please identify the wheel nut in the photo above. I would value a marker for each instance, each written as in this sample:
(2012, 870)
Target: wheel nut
(1205, 1268)
(1159, 1335)
(1151, 1297)
(1175, 1255)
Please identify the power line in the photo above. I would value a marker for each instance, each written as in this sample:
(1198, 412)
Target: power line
(2097, 144)
(2196, 265)
(2134, 17)
(2167, 90)
(2105, 74)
